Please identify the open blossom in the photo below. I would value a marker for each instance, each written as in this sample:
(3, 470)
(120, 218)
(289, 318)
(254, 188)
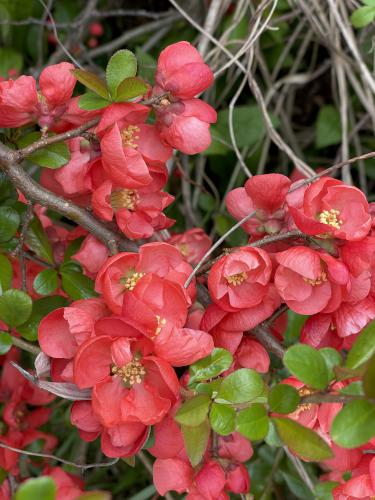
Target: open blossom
(330, 207)
(264, 194)
(121, 273)
(309, 281)
(138, 212)
(183, 121)
(240, 280)
(21, 103)
(128, 144)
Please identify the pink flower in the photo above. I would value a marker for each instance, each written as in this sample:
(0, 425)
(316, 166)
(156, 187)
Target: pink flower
(193, 244)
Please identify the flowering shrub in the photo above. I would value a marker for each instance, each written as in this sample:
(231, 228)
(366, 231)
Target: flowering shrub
(194, 365)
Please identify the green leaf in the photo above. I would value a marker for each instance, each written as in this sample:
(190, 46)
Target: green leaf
(92, 82)
(295, 324)
(297, 486)
(46, 282)
(15, 307)
(363, 16)
(241, 386)
(302, 441)
(146, 64)
(328, 127)
(91, 101)
(5, 342)
(211, 366)
(9, 59)
(323, 490)
(94, 495)
(193, 411)
(363, 347)
(222, 419)
(52, 156)
(42, 488)
(208, 388)
(77, 285)
(369, 378)
(248, 125)
(354, 425)
(6, 274)
(9, 222)
(130, 88)
(253, 422)
(196, 440)
(332, 358)
(123, 64)
(37, 240)
(308, 365)
(353, 389)
(283, 398)
(41, 308)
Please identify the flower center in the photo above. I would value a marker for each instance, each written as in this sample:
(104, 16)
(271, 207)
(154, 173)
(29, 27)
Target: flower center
(183, 248)
(129, 282)
(236, 279)
(317, 281)
(330, 217)
(129, 135)
(131, 373)
(304, 391)
(124, 198)
(161, 322)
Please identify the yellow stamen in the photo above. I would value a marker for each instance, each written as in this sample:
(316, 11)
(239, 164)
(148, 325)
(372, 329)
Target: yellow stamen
(161, 323)
(130, 281)
(131, 373)
(304, 391)
(330, 217)
(129, 136)
(183, 249)
(236, 279)
(318, 281)
(124, 198)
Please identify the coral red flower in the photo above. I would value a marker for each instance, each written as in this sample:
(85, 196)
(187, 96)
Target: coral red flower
(331, 207)
(121, 273)
(92, 255)
(193, 244)
(129, 383)
(138, 212)
(264, 194)
(309, 281)
(240, 280)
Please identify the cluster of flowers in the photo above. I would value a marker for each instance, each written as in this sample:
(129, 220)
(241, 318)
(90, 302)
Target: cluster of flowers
(122, 349)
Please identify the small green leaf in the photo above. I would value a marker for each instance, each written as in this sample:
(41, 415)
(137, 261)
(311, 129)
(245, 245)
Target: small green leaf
(129, 460)
(295, 324)
(193, 411)
(211, 366)
(6, 274)
(354, 425)
(41, 307)
(92, 82)
(222, 419)
(283, 398)
(253, 422)
(308, 365)
(37, 240)
(5, 342)
(196, 440)
(328, 127)
(9, 222)
(52, 156)
(209, 388)
(332, 358)
(15, 307)
(369, 378)
(353, 389)
(363, 347)
(302, 441)
(91, 101)
(77, 285)
(323, 490)
(130, 88)
(241, 386)
(123, 64)
(363, 16)
(46, 282)
(42, 488)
